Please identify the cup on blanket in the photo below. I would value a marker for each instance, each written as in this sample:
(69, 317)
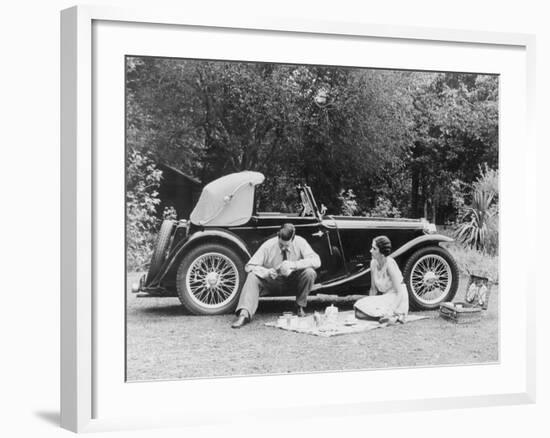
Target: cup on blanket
(317, 318)
(288, 318)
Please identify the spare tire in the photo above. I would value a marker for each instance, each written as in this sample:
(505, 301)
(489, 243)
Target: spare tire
(161, 247)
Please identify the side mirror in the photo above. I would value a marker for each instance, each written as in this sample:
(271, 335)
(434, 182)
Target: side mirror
(323, 209)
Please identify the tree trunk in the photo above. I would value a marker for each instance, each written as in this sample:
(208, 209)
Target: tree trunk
(414, 191)
(425, 208)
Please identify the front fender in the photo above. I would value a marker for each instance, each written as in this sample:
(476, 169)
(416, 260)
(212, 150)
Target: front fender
(195, 239)
(420, 241)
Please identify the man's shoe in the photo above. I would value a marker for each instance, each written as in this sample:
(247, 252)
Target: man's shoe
(300, 311)
(240, 321)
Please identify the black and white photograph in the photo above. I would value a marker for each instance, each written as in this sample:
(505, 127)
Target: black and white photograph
(293, 218)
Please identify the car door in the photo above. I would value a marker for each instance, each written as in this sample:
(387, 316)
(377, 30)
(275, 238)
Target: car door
(324, 241)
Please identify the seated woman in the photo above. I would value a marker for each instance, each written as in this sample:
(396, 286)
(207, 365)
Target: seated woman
(393, 305)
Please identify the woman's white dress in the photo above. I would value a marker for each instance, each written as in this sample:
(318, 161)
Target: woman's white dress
(391, 302)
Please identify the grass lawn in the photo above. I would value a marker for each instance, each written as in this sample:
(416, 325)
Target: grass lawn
(165, 342)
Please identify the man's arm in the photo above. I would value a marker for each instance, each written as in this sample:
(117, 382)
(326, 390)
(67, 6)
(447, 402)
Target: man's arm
(256, 262)
(310, 259)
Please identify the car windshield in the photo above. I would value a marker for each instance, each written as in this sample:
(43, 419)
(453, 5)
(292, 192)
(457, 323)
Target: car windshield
(293, 203)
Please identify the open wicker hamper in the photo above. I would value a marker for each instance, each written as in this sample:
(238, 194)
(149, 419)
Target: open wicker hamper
(476, 302)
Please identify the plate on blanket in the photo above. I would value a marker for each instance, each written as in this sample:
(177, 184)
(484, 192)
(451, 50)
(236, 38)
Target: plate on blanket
(350, 322)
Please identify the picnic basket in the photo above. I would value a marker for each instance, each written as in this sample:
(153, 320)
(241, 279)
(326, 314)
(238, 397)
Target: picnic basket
(474, 305)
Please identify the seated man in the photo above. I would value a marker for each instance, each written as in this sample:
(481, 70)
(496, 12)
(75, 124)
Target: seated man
(285, 261)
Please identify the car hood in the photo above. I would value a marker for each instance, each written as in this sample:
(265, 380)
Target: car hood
(359, 222)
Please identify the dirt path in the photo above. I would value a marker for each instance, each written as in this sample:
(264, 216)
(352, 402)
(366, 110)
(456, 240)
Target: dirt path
(165, 342)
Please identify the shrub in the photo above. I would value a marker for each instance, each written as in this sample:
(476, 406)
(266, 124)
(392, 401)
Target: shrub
(478, 221)
(487, 181)
(458, 194)
(170, 213)
(348, 203)
(491, 242)
(383, 208)
(143, 180)
(472, 262)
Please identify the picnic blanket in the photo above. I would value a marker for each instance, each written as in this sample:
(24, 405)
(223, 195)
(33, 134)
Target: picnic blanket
(345, 323)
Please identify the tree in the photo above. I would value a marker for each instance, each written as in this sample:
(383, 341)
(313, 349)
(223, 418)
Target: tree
(456, 129)
(401, 137)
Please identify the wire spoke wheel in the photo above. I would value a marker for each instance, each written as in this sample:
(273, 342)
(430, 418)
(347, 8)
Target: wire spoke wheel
(432, 277)
(212, 280)
(209, 279)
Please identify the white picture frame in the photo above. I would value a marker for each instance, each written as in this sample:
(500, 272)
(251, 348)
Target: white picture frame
(84, 371)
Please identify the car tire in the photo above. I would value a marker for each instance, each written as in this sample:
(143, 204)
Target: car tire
(209, 280)
(431, 276)
(161, 246)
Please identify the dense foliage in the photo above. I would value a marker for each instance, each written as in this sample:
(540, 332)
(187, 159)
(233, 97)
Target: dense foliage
(374, 142)
(142, 182)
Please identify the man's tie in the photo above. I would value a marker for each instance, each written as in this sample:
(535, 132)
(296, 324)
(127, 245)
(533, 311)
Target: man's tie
(284, 254)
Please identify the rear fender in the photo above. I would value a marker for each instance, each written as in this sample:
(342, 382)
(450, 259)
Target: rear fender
(206, 236)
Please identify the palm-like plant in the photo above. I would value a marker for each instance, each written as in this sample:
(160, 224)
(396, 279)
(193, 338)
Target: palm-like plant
(476, 221)
(478, 226)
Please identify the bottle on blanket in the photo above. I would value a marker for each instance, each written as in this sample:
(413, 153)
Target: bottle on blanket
(331, 314)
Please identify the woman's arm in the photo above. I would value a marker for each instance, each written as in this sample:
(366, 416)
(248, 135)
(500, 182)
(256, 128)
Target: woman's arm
(373, 290)
(395, 276)
(401, 294)
(394, 273)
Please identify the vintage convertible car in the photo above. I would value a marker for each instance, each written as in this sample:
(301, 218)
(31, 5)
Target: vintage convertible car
(201, 260)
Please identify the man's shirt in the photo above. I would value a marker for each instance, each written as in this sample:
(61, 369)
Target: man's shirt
(270, 255)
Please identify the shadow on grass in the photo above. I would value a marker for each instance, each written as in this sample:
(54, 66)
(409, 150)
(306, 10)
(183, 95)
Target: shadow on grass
(279, 306)
(266, 305)
(271, 305)
(175, 310)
